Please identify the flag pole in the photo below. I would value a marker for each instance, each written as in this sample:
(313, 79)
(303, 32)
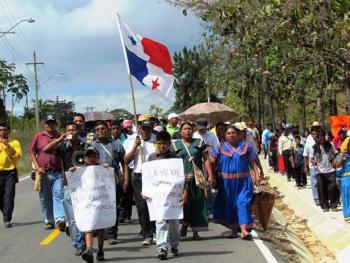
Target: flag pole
(133, 99)
(128, 69)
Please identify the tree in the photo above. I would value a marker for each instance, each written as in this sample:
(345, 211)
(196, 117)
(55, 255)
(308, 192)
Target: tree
(285, 56)
(121, 113)
(191, 67)
(157, 112)
(10, 83)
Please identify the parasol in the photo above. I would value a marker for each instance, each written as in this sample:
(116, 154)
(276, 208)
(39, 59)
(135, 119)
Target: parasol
(99, 116)
(214, 112)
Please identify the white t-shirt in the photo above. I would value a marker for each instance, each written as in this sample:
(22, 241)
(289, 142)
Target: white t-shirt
(209, 138)
(309, 150)
(142, 153)
(323, 163)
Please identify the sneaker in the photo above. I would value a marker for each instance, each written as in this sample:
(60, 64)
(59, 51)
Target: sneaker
(7, 224)
(61, 225)
(79, 251)
(317, 202)
(100, 256)
(88, 256)
(147, 242)
(174, 251)
(162, 254)
(49, 226)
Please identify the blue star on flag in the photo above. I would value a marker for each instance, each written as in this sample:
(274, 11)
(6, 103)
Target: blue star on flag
(133, 42)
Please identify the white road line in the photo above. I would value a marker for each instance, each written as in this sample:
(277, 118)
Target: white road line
(24, 178)
(263, 248)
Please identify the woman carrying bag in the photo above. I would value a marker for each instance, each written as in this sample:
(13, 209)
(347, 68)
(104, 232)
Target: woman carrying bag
(194, 154)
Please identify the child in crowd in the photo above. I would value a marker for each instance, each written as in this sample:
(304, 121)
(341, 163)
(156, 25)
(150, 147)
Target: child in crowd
(167, 231)
(91, 157)
(345, 181)
(298, 163)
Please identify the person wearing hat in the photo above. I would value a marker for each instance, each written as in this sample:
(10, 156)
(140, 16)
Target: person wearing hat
(172, 126)
(202, 132)
(138, 151)
(68, 145)
(10, 152)
(48, 166)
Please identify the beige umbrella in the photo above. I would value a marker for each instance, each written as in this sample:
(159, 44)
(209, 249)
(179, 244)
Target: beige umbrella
(214, 112)
(99, 116)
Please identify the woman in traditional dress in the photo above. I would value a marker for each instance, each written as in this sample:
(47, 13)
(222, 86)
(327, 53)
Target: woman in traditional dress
(195, 209)
(236, 174)
(345, 181)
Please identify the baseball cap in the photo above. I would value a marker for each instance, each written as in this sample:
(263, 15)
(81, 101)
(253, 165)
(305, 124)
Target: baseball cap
(146, 123)
(91, 149)
(202, 123)
(127, 124)
(158, 128)
(49, 118)
(172, 115)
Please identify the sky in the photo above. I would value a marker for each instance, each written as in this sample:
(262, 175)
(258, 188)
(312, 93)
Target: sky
(80, 39)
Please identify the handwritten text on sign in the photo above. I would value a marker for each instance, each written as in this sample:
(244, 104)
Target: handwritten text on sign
(163, 184)
(93, 194)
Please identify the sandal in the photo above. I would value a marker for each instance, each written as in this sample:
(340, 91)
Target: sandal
(247, 236)
(183, 232)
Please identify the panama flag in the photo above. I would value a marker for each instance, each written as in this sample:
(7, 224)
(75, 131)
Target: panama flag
(147, 60)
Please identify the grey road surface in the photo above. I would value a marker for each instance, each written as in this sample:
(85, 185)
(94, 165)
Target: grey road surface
(21, 243)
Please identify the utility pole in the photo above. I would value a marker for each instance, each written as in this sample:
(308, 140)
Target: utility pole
(89, 109)
(37, 118)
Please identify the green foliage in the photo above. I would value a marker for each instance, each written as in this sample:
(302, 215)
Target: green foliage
(290, 57)
(16, 84)
(157, 112)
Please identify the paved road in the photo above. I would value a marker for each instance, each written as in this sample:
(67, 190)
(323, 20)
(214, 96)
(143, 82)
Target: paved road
(21, 243)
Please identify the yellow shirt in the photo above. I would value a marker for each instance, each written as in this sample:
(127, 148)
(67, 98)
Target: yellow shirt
(344, 145)
(7, 163)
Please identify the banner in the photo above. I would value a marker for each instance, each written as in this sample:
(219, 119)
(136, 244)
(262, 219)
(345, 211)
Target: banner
(163, 183)
(338, 122)
(93, 195)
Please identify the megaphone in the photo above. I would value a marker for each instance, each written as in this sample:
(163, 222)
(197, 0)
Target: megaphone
(78, 158)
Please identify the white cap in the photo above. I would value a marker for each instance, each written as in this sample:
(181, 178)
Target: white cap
(172, 115)
(158, 128)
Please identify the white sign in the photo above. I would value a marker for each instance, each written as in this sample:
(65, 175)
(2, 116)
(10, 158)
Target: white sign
(163, 183)
(93, 194)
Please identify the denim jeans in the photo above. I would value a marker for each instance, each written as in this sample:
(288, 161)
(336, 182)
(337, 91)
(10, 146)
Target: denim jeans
(51, 197)
(313, 183)
(76, 236)
(210, 202)
(167, 230)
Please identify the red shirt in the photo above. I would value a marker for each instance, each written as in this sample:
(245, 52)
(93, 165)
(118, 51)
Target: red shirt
(48, 162)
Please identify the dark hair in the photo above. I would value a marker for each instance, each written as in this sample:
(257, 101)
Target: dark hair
(116, 123)
(163, 136)
(269, 124)
(297, 137)
(232, 127)
(73, 123)
(186, 123)
(79, 115)
(220, 124)
(98, 123)
(327, 145)
(5, 124)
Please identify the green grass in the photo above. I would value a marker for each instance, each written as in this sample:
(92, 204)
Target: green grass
(24, 137)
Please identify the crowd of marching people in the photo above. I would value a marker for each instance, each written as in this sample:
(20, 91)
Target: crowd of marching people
(313, 154)
(221, 166)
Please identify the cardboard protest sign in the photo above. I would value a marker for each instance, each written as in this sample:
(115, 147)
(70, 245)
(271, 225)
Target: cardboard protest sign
(163, 183)
(93, 194)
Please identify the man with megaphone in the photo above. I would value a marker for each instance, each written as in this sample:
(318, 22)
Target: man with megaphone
(70, 148)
